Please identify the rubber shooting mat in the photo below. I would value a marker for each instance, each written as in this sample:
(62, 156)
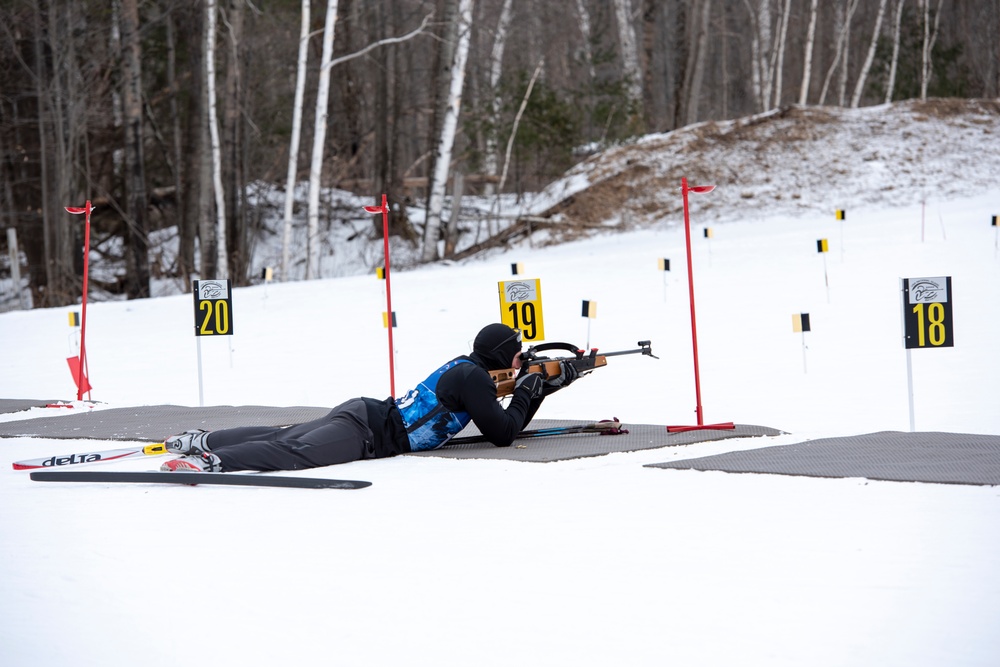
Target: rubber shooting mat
(10, 405)
(153, 423)
(577, 445)
(944, 458)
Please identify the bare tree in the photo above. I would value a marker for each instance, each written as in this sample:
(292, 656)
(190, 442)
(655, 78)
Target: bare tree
(583, 17)
(863, 76)
(185, 231)
(234, 183)
(293, 148)
(697, 56)
(319, 136)
(491, 157)
(221, 260)
(629, 50)
(137, 247)
(895, 52)
(780, 52)
(842, 28)
(807, 60)
(761, 49)
(446, 140)
(930, 36)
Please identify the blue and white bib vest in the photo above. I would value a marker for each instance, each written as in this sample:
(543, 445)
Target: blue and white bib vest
(428, 423)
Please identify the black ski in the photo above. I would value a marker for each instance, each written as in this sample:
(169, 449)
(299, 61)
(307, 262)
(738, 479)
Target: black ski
(101, 476)
(609, 427)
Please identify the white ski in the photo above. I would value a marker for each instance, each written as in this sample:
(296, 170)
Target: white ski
(154, 449)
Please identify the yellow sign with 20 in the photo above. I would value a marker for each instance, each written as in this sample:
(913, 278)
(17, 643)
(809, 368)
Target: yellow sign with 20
(521, 307)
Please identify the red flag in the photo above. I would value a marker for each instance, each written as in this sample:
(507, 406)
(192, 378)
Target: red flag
(78, 377)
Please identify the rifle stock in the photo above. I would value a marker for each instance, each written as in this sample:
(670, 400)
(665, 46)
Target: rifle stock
(583, 362)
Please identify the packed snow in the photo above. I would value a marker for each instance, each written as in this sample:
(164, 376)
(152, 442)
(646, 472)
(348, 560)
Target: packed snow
(591, 561)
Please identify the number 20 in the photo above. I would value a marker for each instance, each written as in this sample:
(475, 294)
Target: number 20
(220, 315)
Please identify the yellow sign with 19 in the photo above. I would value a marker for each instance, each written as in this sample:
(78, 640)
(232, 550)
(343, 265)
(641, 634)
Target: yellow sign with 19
(521, 307)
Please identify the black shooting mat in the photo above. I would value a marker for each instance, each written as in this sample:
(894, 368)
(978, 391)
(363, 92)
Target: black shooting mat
(945, 458)
(153, 423)
(577, 445)
(9, 405)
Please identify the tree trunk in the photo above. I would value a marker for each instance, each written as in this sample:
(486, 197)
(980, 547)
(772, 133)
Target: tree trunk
(930, 36)
(780, 64)
(845, 58)
(765, 55)
(859, 88)
(491, 158)
(319, 138)
(221, 261)
(841, 28)
(583, 17)
(696, 59)
(810, 42)
(136, 203)
(185, 235)
(629, 51)
(237, 239)
(293, 148)
(43, 152)
(446, 140)
(895, 52)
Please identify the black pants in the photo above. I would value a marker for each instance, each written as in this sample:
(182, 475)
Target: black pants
(341, 436)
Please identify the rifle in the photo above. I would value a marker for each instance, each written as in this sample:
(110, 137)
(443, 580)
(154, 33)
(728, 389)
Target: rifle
(582, 361)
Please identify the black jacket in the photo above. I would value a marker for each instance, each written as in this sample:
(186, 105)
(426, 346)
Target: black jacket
(469, 388)
(387, 425)
(465, 388)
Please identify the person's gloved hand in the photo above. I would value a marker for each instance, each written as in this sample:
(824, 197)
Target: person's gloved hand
(567, 373)
(532, 382)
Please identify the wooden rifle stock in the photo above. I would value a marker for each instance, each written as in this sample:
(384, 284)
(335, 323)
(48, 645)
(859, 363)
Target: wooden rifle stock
(583, 362)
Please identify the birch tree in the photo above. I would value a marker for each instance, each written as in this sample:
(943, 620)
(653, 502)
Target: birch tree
(221, 263)
(859, 88)
(293, 148)
(761, 71)
(780, 59)
(446, 139)
(930, 36)
(319, 136)
(491, 159)
(583, 16)
(807, 60)
(842, 28)
(629, 50)
(896, 31)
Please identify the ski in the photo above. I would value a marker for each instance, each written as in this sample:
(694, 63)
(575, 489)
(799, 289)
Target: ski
(606, 427)
(154, 449)
(194, 478)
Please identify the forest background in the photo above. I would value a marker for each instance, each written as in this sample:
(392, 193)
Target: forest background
(176, 113)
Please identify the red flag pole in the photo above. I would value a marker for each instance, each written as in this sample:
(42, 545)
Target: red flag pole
(384, 209)
(83, 317)
(694, 326)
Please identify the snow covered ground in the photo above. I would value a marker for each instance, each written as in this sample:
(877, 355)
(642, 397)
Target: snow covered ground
(586, 562)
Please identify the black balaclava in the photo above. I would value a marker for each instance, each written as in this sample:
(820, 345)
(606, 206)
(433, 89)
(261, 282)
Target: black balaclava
(496, 345)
